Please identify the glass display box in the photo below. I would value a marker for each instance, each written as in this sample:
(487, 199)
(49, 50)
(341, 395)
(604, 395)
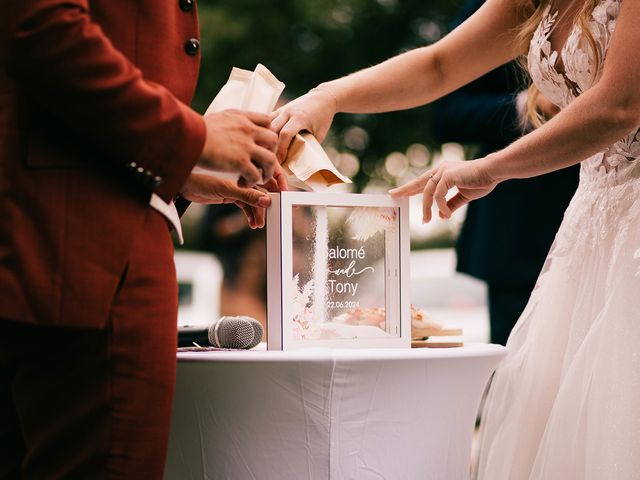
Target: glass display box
(337, 271)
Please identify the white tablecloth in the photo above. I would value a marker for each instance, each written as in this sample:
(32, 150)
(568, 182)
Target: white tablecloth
(327, 414)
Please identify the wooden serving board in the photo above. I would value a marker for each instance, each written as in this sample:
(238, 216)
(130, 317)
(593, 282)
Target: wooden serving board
(423, 337)
(435, 332)
(431, 344)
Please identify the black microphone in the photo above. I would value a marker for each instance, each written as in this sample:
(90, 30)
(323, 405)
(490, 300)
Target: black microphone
(227, 332)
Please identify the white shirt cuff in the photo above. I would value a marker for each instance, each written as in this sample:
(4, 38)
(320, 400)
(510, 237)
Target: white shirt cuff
(168, 211)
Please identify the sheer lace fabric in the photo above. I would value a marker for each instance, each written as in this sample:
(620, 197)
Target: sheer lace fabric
(564, 403)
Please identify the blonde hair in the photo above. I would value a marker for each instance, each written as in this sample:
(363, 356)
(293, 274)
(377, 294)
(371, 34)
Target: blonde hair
(535, 10)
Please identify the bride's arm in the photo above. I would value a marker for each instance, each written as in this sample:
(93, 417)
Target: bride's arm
(419, 76)
(596, 119)
(480, 44)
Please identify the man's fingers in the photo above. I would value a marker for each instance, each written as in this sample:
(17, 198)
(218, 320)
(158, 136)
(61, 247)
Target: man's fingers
(265, 160)
(250, 196)
(279, 181)
(261, 119)
(270, 186)
(259, 215)
(266, 138)
(255, 216)
(250, 175)
(217, 190)
(248, 212)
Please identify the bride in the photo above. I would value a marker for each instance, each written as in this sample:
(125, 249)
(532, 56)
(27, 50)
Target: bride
(564, 403)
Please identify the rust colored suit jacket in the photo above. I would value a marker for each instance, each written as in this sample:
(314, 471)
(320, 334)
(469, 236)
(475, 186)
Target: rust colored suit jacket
(93, 119)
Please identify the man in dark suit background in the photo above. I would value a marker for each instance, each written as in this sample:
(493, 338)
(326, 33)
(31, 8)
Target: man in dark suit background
(506, 235)
(96, 140)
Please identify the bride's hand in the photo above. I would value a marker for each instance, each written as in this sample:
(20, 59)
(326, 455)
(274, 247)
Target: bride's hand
(470, 177)
(312, 112)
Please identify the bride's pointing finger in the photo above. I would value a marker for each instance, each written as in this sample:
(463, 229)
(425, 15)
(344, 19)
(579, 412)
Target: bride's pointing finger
(440, 195)
(412, 187)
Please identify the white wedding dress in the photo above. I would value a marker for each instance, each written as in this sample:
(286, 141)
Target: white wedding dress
(565, 403)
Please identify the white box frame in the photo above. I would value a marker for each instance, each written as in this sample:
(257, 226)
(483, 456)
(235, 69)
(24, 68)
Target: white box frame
(280, 269)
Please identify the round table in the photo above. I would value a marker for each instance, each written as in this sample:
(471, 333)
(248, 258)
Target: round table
(319, 414)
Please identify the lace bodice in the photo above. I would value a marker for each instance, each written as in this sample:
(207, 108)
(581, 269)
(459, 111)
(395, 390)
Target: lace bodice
(578, 73)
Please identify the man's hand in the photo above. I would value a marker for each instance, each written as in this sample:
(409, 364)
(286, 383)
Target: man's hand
(207, 189)
(240, 142)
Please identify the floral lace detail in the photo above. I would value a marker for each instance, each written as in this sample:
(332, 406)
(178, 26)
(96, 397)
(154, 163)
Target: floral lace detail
(542, 61)
(599, 222)
(620, 154)
(606, 207)
(580, 73)
(578, 57)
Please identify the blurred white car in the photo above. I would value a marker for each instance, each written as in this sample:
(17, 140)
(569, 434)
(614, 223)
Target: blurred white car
(199, 281)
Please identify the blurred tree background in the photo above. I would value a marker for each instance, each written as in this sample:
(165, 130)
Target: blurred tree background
(305, 42)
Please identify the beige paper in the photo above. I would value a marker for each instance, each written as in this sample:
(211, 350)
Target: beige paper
(256, 91)
(307, 165)
(232, 93)
(263, 92)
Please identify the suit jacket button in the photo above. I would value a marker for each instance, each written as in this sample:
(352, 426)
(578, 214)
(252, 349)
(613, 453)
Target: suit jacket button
(132, 165)
(186, 5)
(192, 46)
(157, 181)
(140, 171)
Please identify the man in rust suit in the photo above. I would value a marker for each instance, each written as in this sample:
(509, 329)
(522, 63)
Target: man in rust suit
(96, 140)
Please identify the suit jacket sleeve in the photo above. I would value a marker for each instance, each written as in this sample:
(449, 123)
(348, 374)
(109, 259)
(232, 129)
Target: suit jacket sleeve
(64, 62)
